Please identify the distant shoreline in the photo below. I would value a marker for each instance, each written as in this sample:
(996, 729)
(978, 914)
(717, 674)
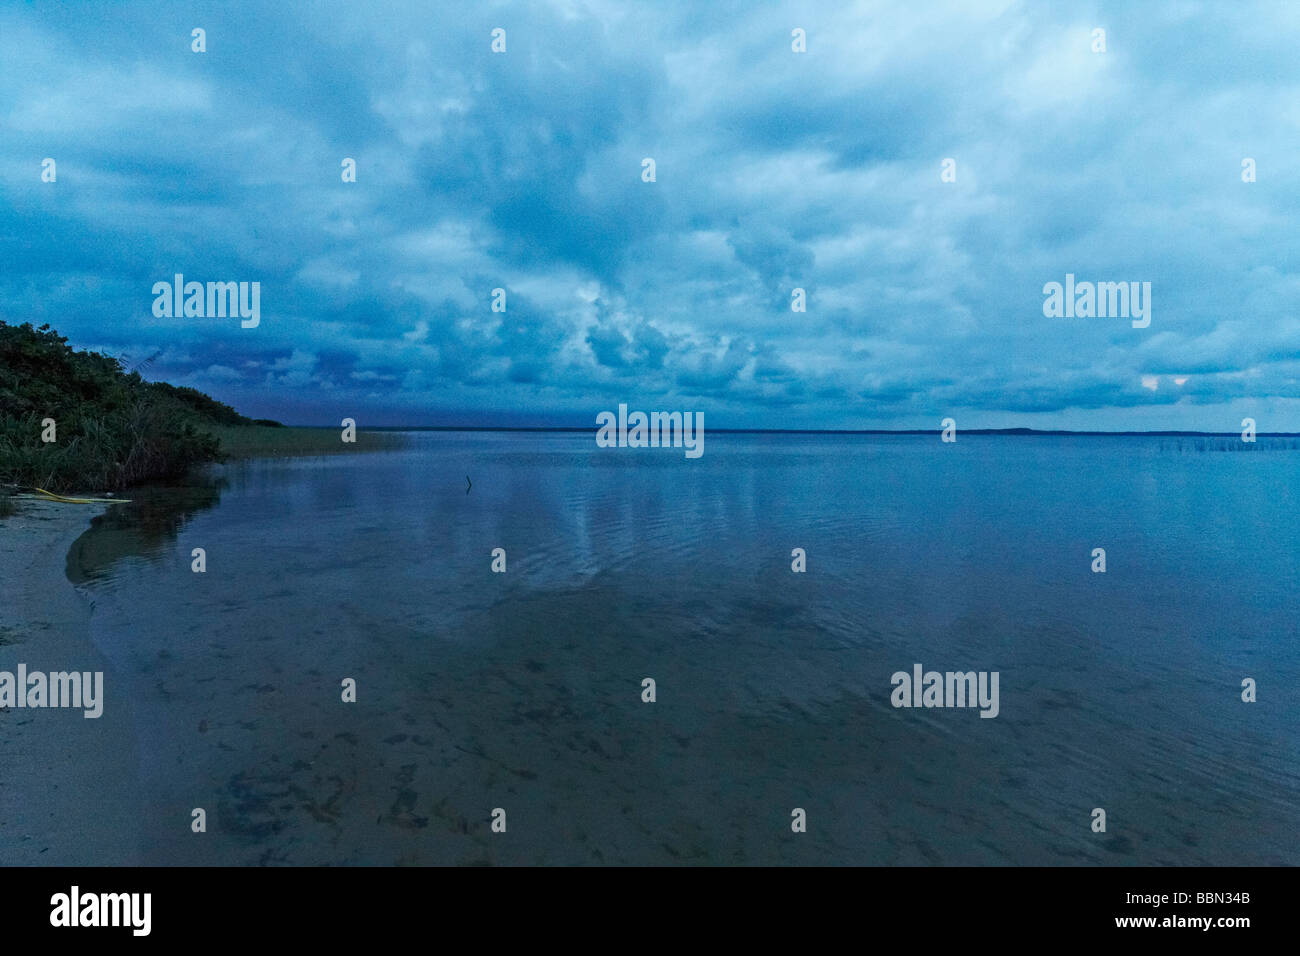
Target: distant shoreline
(1032, 432)
(241, 442)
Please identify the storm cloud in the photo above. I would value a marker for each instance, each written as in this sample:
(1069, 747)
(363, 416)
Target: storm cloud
(775, 170)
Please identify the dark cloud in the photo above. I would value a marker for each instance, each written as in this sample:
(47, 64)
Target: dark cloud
(774, 170)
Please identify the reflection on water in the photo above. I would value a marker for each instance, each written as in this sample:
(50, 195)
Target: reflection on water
(522, 690)
(144, 526)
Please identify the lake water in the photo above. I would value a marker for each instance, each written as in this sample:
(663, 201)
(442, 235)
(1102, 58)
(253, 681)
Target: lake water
(523, 690)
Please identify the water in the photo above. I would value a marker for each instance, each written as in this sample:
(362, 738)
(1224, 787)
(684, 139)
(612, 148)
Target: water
(522, 690)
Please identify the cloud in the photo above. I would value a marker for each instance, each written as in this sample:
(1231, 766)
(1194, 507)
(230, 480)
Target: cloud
(775, 170)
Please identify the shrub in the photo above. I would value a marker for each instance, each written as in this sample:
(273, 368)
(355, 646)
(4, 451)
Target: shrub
(114, 429)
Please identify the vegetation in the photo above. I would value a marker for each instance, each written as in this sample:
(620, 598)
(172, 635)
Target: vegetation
(278, 441)
(113, 429)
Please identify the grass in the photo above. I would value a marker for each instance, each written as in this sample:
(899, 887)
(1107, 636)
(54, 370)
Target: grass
(78, 421)
(75, 420)
(261, 441)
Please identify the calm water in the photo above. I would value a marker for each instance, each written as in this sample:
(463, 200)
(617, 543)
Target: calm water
(523, 690)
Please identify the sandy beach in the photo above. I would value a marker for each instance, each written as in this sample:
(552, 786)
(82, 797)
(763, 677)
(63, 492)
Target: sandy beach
(60, 770)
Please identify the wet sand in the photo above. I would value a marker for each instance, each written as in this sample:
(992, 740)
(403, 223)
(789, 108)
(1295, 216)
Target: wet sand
(61, 772)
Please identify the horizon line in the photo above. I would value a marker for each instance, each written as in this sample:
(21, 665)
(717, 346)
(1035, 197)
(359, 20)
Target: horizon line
(822, 431)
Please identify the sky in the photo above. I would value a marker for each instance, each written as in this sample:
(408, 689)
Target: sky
(774, 170)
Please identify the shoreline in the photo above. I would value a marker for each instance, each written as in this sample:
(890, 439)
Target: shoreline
(66, 778)
(249, 442)
(61, 770)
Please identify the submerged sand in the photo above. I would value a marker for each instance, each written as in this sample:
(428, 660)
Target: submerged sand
(61, 772)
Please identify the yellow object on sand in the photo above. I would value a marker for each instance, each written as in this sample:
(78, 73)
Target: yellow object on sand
(51, 496)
